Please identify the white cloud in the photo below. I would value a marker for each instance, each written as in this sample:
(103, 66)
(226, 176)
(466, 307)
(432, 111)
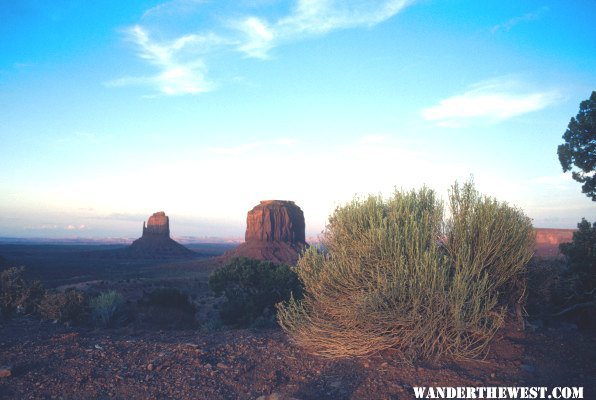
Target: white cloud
(311, 18)
(181, 61)
(259, 37)
(531, 16)
(171, 7)
(75, 227)
(493, 101)
(181, 70)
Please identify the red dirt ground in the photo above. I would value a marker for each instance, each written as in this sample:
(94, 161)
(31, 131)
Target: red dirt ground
(51, 361)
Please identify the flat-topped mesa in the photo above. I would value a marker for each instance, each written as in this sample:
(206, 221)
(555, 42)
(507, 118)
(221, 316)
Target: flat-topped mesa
(157, 225)
(274, 232)
(275, 221)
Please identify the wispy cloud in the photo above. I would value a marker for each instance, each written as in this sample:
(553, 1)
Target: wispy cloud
(531, 16)
(490, 101)
(172, 7)
(181, 61)
(311, 18)
(181, 69)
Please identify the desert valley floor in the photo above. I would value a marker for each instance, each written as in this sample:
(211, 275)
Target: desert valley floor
(135, 361)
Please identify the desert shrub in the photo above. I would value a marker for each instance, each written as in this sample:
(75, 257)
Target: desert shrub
(581, 256)
(251, 289)
(545, 286)
(106, 308)
(167, 307)
(17, 294)
(170, 298)
(70, 307)
(394, 274)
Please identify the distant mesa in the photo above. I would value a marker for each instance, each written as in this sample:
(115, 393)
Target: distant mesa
(274, 232)
(156, 241)
(548, 241)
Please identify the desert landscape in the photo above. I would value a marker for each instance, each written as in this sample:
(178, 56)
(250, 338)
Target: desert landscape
(297, 199)
(167, 353)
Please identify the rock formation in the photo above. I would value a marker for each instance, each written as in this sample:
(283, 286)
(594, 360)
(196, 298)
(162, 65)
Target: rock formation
(548, 240)
(156, 241)
(274, 232)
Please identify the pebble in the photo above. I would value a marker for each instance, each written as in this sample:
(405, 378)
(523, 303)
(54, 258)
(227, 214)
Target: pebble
(150, 367)
(5, 371)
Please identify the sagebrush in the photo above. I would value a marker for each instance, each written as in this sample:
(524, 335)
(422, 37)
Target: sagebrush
(397, 274)
(106, 308)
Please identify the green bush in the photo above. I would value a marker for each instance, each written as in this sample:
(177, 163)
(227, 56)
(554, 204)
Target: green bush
(17, 294)
(70, 307)
(395, 274)
(251, 289)
(581, 256)
(171, 298)
(106, 308)
(167, 308)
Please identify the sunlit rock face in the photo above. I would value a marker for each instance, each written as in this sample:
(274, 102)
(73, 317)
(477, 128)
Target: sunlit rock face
(275, 221)
(274, 232)
(157, 225)
(156, 242)
(548, 240)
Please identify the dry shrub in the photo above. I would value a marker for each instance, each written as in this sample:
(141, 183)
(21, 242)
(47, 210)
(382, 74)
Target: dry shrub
(17, 294)
(394, 274)
(107, 308)
(70, 306)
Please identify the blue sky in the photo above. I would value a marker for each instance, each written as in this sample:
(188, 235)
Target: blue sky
(202, 108)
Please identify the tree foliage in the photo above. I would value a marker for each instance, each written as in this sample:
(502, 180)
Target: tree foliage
(579, 149)
(581, 254)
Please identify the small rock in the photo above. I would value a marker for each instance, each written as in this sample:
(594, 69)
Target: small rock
(5, 371)
(492, 375)
(98, 347)
(221, 365)
(384, 364)
(150, 367)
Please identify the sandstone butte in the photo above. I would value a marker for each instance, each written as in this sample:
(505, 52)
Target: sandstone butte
(274, 232)
(155, 241)
(548, 240)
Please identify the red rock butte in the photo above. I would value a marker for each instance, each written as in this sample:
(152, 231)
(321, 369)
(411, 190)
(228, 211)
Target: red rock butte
(548, 241)
(156, 241)
(274, 232)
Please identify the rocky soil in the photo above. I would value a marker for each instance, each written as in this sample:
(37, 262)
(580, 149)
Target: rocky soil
(52, 361)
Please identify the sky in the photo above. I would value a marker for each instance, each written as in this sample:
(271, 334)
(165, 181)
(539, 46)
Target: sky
(112, 110)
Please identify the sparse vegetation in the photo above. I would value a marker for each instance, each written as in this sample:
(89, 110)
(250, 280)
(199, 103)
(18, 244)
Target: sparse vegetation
(106, 309)
(168, 307)
(17, 294)
(580, 255)
(70, 307)
(395, 275)
(170, 298)
(252, 288)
